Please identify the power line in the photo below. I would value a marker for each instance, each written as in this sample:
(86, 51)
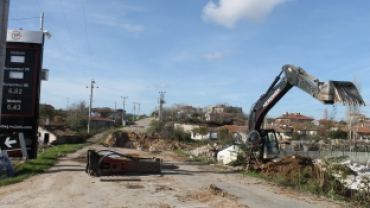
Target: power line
(69, 32)
(24, 18)
(87, 36)
(56, 41)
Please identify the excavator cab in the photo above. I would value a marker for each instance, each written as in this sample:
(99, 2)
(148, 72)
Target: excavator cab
(270, 144)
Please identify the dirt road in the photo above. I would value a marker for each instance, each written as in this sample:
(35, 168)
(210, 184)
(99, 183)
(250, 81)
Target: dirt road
(192, 185)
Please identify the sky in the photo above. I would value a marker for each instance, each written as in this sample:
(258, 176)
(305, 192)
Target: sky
(199, 52)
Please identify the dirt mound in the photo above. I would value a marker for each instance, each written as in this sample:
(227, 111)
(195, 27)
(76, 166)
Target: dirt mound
(143, 141)
(301, 170)
(290, 167)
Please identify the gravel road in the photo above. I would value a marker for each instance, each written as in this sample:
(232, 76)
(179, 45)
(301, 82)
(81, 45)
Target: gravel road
(191, 185)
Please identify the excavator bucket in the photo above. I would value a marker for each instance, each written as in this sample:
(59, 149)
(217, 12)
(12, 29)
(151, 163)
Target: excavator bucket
(340, 91)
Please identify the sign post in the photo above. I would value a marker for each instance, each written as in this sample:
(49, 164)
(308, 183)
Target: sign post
(21, 92)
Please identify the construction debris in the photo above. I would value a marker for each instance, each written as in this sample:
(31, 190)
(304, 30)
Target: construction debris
(352, 175)
(208, 151)
(152, 142)
(207, 193)
(107, 163)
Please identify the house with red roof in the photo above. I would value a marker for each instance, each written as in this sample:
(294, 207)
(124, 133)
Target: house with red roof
(293, 119)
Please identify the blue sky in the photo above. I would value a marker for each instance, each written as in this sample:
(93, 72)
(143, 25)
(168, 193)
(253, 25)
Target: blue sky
(199, 52)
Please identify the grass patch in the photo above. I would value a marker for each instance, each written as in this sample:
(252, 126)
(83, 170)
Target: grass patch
(254, 174)
(83, 135)
(44, 161)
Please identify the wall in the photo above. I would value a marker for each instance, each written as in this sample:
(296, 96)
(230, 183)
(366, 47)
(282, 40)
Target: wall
(358, 157)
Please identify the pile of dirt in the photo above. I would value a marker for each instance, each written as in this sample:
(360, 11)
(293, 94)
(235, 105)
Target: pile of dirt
(144, 141)
(291, 167)
(301, 170)
(211, 193)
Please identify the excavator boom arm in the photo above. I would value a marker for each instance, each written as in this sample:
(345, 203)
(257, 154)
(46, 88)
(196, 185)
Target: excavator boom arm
(328, 92)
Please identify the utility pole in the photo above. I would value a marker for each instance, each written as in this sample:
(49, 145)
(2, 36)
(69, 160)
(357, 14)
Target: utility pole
(133, 116)
(115, 113)
(123, 109)
(161, 102)
(138, 111)
(90, 106)
(67, 103)
(4, 14)
(350, 128)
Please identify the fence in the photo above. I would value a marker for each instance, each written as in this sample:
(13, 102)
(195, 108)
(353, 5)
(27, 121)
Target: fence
(359, 153)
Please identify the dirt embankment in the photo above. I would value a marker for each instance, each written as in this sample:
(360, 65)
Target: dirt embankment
(143, 141)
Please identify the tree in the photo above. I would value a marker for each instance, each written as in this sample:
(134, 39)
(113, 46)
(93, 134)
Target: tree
(77, 115)
(168, 131)
(155, 126)
(338, 134)
(296, 136)
(202, 130)
(324, 131)
(333, 113)
(223, 135)
(352, 110)
(46, 111)
(60, 116)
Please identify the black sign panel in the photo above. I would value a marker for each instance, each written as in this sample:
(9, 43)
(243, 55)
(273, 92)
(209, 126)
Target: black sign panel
(21, 97)
(9, 134)
(9, 142)
(20, 82)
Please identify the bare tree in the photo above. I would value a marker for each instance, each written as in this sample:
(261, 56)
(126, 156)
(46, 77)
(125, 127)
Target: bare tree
(352, 112)
(353, 109)
(77, 114)
(333, 113)
(325, 115)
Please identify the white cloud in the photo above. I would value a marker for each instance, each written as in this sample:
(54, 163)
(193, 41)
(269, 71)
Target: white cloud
(133, 27)
(214, 56)
(228, 12)
(218, 55)
(162, 85)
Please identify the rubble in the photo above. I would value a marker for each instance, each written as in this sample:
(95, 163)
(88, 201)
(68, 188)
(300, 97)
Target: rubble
(152, 142)
(208, 151)
(353, 175)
